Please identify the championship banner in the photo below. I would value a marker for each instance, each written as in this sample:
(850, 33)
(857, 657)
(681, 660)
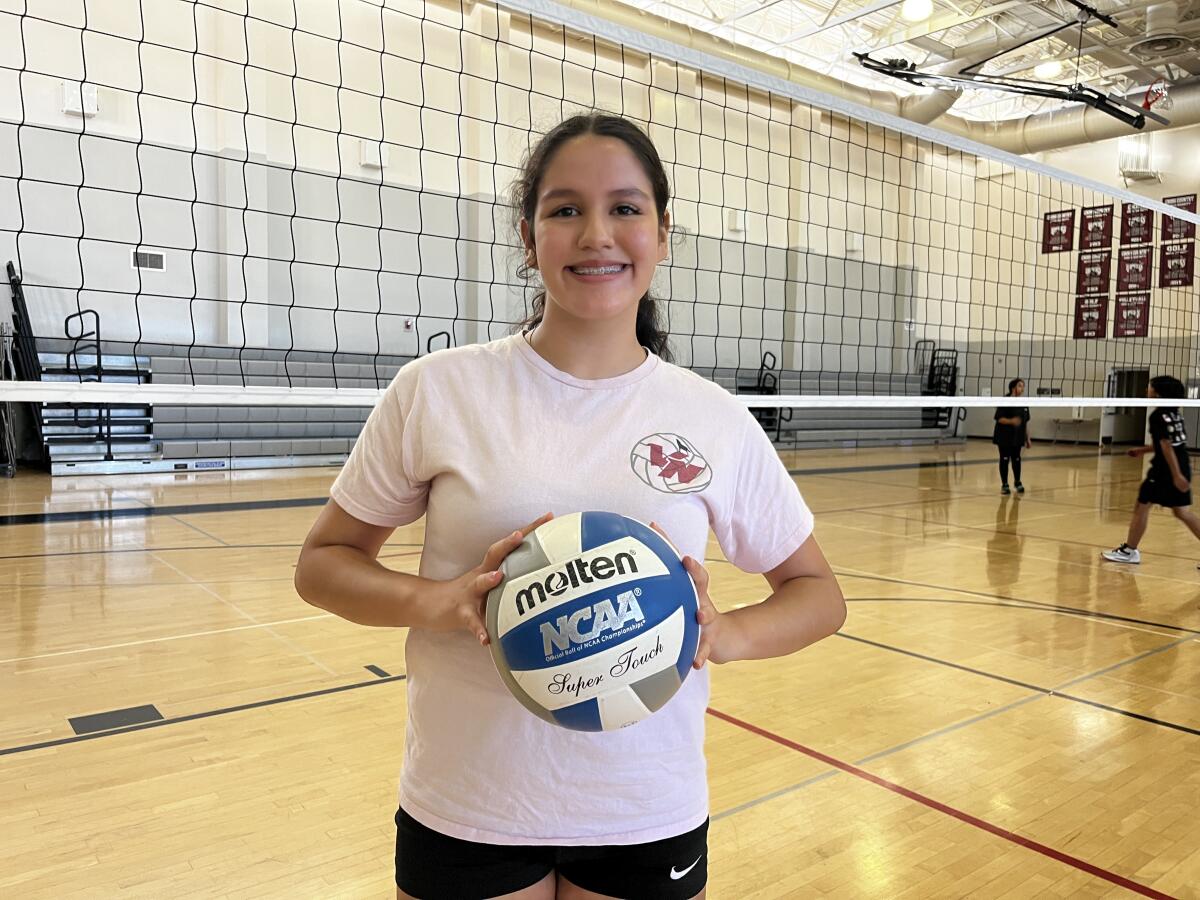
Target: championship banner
(1135, 269)
(1176, 264)
(1094, 269)
(1137, 224)
(1095, 227)
(1091, 318)
(1176, 229)
(1058, 231)
(1132, 316)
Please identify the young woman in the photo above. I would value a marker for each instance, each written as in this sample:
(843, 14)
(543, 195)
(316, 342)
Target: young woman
(1169, 481)
(1011, 436)
(579, 410)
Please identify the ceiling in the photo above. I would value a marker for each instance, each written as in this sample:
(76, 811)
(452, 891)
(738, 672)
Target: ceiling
(821, 35)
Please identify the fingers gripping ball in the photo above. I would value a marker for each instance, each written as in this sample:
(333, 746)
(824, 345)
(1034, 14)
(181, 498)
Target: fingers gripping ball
(593, 626)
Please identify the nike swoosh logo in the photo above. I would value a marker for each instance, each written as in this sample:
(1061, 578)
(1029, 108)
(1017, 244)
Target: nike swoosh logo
(675, 876)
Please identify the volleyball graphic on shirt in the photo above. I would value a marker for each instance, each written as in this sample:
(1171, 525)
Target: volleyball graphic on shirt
(670, 463)
(593, 626)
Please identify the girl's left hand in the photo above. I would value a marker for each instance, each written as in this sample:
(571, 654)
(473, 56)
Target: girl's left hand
(715, 631)
(714, 625)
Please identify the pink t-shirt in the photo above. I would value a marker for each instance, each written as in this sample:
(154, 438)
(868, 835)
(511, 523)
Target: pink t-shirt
(482, 440)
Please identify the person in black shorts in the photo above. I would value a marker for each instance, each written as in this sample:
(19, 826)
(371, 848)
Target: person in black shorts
(1011, 436)
(1169, 481)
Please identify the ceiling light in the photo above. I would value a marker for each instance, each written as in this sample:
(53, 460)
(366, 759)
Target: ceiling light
(916, 10)
(1051, 68)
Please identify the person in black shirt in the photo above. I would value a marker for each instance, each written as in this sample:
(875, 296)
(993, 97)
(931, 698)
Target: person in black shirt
(1169, 481)
(1011, 436)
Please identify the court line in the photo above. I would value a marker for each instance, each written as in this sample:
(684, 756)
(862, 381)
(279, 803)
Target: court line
(145, 510)
(283, 640)
(962, 493)
(1048, 692)
(935, 464)
(1013, 602)
(1003, 833)
(170, 637)
(854, 573)
(184, 509)
(1035, 537)
(192, 717)
(1023, 604)
(1026, 554)
(171, 549)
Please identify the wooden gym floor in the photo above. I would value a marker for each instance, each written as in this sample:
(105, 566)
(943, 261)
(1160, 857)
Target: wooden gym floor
(1003, 715)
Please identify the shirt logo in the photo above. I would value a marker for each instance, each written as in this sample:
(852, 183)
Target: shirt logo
(671, 464)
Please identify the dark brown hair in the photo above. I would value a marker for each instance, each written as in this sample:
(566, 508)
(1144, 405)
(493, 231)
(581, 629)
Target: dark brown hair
(1168, 387)
(650, 331)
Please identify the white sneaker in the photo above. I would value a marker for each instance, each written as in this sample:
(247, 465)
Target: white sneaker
(1123, 554)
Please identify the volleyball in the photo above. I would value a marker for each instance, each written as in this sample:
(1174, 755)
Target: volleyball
(593, 626)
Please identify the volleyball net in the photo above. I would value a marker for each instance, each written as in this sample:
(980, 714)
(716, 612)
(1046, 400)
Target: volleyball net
(284, 205)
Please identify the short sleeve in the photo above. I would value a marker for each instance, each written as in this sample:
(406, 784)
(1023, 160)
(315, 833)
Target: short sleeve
(999, 414)
(765, 520)
(376, 484)
(1158, 427)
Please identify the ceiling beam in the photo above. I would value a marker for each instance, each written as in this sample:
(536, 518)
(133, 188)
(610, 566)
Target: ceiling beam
(935, 24)
(747, 10)
(834, 23)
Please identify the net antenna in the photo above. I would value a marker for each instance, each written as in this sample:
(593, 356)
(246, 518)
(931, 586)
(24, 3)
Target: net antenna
(1118, 107)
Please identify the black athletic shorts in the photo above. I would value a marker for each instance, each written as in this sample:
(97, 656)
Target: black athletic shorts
(1163, 493)
(432, 866)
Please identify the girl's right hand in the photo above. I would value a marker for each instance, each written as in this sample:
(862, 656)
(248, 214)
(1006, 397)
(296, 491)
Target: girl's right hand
(459, 602)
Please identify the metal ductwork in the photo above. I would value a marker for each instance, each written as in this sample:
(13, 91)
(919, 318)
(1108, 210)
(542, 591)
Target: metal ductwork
(1163, 38)
(1067, 127)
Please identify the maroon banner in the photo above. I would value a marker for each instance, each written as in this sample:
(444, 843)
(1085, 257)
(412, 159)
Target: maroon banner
(1095, 227)
(1091, 318)
(1137, 224)
(1094, 269)
(1058, 231)
(1176, 264)
(1132, 316)
(1176, 229)
(1135, 269)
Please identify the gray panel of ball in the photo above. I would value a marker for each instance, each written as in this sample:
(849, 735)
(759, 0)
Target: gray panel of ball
(528, 557)
(655, 690)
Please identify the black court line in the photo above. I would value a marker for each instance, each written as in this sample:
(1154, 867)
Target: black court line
(935, 464)
(1033, 605)
(1049, 692)
(192, 717)
(135, 512)
(375, 670)
(85, 515)
(1014, 601)
(171, 549)
(994, 530)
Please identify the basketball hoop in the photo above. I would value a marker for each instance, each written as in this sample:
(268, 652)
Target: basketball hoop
(1156, 95)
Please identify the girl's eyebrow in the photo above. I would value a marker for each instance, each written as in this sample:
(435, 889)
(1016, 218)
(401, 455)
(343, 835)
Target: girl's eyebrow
(568, 192)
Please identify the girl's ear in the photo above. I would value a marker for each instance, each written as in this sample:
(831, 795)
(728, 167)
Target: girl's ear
(527, 240)
(664, 236)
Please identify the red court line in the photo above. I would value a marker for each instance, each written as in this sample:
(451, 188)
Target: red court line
(1025, 842)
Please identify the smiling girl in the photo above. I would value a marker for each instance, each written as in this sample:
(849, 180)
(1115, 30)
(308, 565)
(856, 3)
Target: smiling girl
(581, 409)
